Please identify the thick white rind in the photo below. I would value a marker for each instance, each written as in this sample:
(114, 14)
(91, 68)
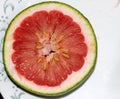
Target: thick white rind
(75, 77)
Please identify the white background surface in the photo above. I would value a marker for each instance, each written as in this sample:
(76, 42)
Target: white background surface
(104, 15)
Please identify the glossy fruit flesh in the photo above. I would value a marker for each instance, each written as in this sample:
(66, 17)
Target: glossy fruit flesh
(48, 47)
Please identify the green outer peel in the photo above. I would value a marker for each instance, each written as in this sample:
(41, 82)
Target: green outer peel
(71, 88)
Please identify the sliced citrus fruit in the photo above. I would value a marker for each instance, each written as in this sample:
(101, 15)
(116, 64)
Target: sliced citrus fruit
(49, 49)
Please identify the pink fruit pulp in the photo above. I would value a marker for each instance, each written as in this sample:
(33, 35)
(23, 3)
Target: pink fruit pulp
(48, 46)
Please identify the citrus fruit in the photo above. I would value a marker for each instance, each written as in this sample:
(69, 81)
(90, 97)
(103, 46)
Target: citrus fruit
(49, 49)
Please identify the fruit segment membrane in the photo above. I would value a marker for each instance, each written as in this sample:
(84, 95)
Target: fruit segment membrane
(48, 47)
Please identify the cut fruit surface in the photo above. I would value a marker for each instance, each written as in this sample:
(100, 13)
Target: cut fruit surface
(52, 49)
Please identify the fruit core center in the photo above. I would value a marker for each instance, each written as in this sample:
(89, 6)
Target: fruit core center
(45, 47)
(47, 50)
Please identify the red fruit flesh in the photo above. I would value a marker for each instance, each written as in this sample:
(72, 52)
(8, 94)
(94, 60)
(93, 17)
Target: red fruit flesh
(48, 47)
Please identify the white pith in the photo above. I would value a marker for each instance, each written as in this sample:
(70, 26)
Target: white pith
(72, 79)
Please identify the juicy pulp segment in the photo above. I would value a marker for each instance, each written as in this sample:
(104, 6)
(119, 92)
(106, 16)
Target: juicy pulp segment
(71, 81)
(48, 47)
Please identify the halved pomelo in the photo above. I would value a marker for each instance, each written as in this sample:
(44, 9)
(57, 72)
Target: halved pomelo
(49, 49)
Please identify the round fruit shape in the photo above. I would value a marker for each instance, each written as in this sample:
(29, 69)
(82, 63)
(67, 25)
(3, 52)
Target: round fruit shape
(49, 49)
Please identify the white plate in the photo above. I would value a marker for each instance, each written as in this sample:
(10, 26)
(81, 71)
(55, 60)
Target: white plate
(104, 16)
